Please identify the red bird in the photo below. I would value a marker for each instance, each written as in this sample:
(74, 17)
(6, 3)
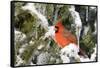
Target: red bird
(66, 40)
(62, 36)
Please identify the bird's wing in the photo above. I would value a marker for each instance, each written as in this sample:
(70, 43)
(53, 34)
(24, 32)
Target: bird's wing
(68, 35)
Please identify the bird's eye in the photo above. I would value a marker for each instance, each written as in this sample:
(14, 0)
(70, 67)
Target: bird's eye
(56, 29)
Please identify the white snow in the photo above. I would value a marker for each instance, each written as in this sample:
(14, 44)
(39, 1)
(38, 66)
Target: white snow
(40, 47)
(19, 36)
(31, 42)
(69, 51)
(50, 32)
(86, 29)
(77, 21)
(21, 50)
(76, 16)
(82, 59)
(43, 58)
(95, 25)
(65, 59)
(43, 20)
(72, 51)
(19, 60)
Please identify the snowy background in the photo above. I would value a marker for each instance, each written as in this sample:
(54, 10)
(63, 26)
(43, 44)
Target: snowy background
(4, 35)
(32, 23)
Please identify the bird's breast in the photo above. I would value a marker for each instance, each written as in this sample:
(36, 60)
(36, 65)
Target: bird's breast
(64, 38)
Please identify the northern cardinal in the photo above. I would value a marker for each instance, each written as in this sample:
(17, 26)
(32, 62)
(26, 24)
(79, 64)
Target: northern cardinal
(65, 40)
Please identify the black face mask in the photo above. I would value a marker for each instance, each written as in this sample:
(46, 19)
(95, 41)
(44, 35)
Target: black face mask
(56, 29)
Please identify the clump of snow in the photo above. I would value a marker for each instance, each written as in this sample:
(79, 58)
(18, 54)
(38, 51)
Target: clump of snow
(19, 36)
(76, 17)
(21, 50)
(95, 25)
(42, 18)
(77, 21)
(69, 51)
(43, 58)
(83, 59)
(31, 42)
(86, 29)
(52, 58)
(50, 32)
(19, 60)
(40, 47)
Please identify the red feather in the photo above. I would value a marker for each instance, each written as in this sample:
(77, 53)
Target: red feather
(63, 37)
